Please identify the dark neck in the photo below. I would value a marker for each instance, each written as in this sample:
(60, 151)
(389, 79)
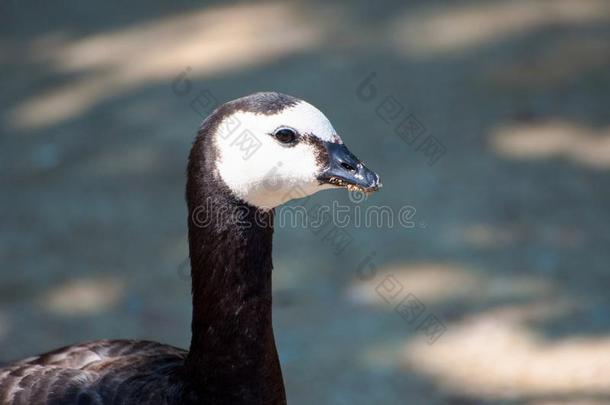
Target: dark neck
(232, 357)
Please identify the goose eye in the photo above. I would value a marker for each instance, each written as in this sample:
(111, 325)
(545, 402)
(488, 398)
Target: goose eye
(285, 135)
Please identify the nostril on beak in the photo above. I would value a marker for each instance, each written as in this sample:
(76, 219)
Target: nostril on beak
(378, 181)
(348, 167)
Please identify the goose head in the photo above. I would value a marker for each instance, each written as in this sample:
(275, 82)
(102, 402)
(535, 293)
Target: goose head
(271, 148)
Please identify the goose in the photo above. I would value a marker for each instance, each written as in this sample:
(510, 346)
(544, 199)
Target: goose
(248, 157)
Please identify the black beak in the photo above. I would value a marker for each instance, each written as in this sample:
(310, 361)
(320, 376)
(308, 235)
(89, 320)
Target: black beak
(346, 170)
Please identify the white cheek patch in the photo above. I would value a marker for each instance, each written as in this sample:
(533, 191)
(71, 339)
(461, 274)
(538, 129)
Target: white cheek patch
(260, 170)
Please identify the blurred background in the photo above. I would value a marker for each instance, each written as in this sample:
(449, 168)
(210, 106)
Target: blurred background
(508, 251)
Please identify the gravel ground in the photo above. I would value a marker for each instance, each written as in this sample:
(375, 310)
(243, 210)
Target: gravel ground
(507, 245)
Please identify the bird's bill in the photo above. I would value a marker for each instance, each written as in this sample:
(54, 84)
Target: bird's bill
(346, 170)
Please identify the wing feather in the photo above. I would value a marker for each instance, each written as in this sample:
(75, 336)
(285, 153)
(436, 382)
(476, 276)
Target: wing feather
(101, 372)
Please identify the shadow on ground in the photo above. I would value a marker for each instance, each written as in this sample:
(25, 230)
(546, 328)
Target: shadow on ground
(508, 243)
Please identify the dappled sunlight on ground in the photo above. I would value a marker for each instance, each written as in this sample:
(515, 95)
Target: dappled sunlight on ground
(439, 282)
(494, 354)
(208, 41)
(554, 139)
(492, 347)
(84, 296)
(510, 247)
(484, 235)
(432, 30)
(561, 61)
(141, 158)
